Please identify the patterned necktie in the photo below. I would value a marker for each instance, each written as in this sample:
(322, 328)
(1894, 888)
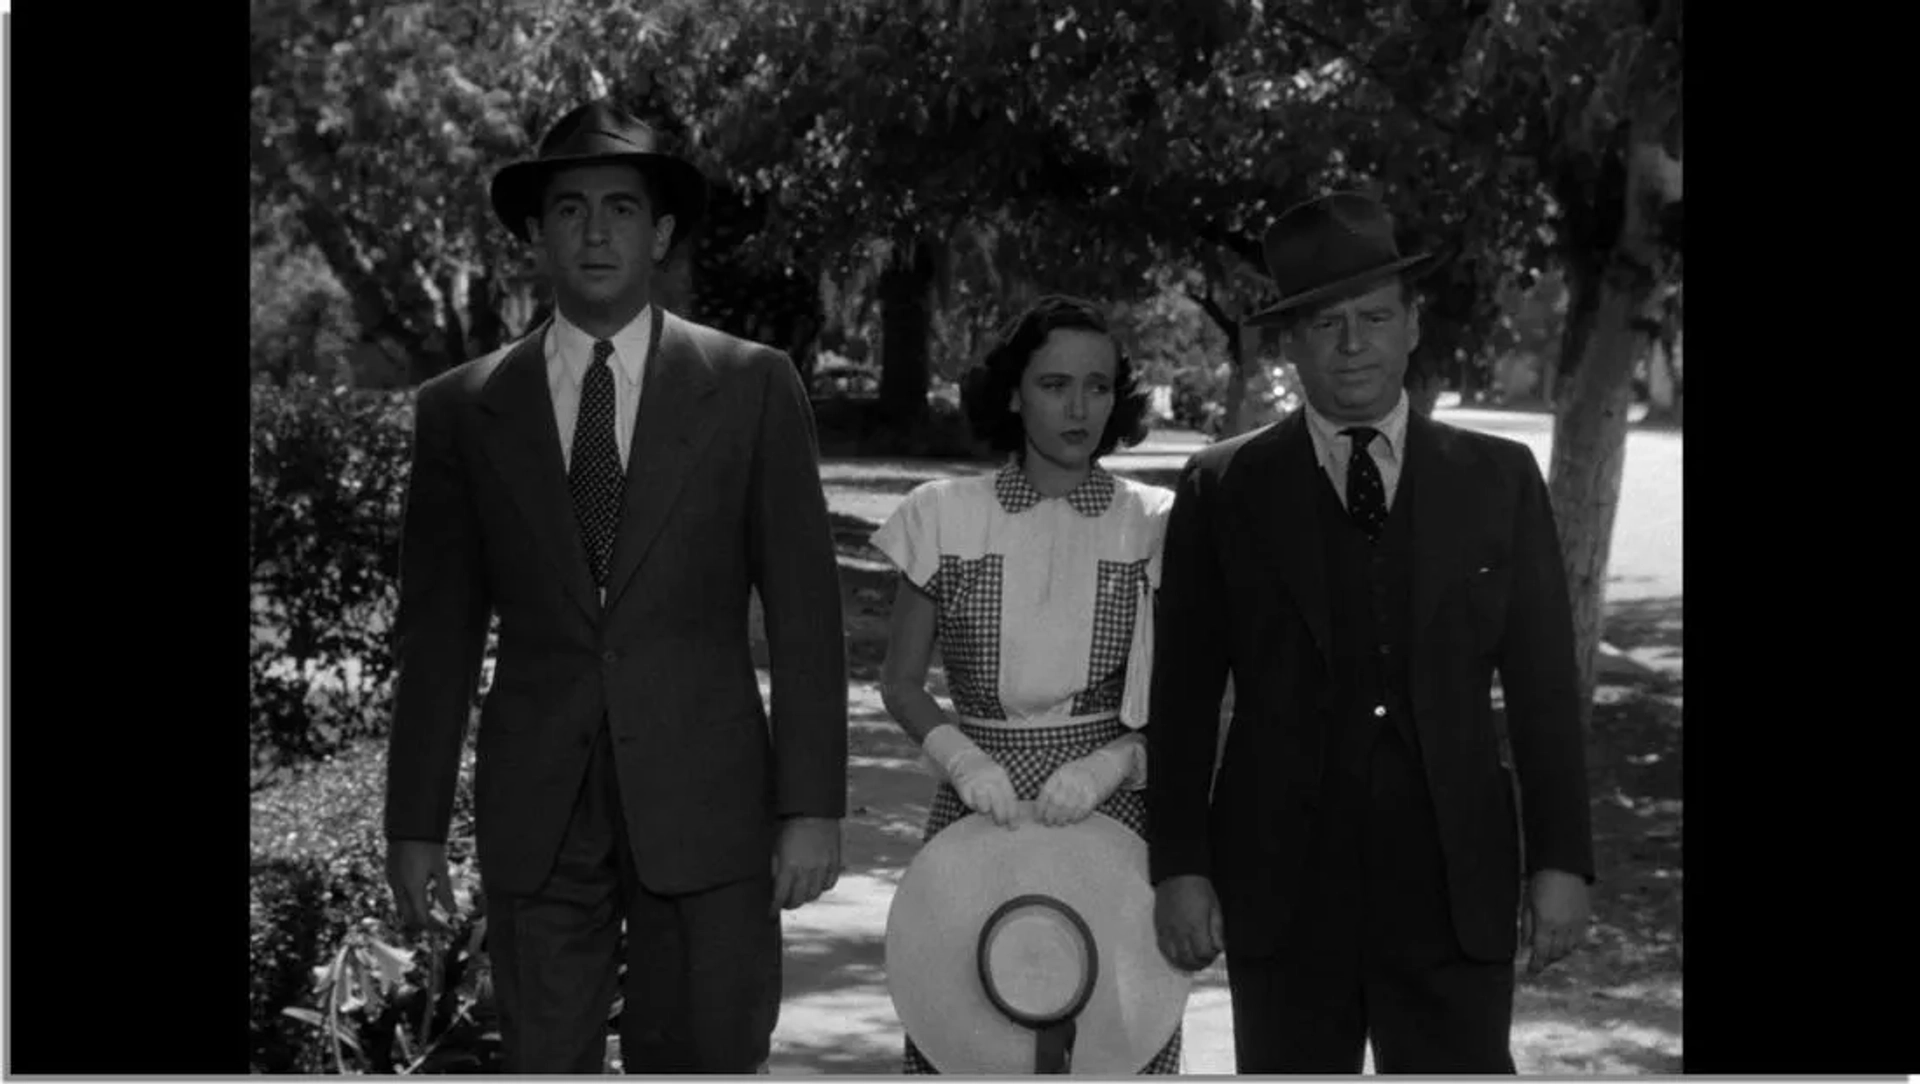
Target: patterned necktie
(595, 476)
(1366, 493)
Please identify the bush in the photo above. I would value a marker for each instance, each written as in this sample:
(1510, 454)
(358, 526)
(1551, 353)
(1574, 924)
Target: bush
(1200, 396)
(321, 930)
(328, 470)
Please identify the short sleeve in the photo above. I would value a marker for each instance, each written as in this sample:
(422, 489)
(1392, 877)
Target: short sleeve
(911, 536)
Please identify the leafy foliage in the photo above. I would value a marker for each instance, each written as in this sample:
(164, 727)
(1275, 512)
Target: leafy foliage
(333, 986)
(328, 469)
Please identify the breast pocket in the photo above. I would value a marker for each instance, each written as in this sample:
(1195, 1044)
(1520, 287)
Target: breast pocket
(967, 592)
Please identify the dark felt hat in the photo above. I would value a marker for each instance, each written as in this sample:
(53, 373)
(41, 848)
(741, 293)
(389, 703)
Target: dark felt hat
(1332, 246)
(591, 134)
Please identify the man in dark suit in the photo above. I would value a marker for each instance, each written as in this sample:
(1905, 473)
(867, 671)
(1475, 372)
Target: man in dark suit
(1361, 572)
(612, 487)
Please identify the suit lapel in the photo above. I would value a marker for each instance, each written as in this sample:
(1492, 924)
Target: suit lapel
(1443, 499)
(523, 443)
(1287, 516)
(671, 430)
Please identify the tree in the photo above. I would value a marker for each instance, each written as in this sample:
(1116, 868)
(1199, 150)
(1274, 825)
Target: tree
(376, 129)
(1535, 137)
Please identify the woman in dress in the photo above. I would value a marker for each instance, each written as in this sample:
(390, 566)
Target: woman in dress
(1036, 582)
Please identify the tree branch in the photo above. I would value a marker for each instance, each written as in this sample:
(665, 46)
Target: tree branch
(1367, 67)
(1214, 311)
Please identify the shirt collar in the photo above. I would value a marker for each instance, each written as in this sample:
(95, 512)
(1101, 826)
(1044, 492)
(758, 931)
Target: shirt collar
(1090, 498)
(574, 347)
(1393, 430)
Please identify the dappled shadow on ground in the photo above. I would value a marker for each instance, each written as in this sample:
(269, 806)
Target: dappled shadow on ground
(1649, 624)
(852, 537)
(1616, 1005)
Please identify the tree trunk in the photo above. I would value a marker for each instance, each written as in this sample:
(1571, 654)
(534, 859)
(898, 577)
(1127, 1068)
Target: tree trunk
(486, 331)
(906, 324)
(1583, 477)
(1660, 393)
(1473, 383)
(1590, 418)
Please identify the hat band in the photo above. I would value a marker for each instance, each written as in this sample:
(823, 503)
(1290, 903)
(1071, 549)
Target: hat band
(1054, 1026)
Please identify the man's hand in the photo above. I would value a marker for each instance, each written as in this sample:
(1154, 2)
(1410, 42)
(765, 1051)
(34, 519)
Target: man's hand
(1555, 920)
(806, 861)
(1186, 919)
(411, 864)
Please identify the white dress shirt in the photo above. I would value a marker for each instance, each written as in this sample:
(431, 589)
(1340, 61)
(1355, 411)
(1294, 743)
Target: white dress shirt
(570, 352)
(1388, 449)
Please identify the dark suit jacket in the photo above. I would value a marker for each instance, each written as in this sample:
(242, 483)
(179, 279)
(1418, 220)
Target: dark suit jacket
(1245, 592)
(722, 495)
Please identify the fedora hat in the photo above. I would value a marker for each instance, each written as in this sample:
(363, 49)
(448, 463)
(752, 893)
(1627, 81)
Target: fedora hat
(1032, 950)
(595, 133)
(1329, 247)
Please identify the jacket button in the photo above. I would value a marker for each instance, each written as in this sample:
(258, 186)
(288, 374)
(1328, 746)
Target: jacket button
(609, 656)
(1379, 711)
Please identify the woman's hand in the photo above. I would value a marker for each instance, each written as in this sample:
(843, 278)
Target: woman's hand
(1076, 788)
(981, 783)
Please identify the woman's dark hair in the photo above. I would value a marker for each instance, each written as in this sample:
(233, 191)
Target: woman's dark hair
(989, 386)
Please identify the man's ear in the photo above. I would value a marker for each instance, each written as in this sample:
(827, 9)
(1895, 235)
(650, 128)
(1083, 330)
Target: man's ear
(662, 236)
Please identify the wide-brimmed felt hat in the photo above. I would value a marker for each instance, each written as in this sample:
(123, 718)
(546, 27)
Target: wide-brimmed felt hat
(1332, 246)
(591, 134)
(1032, 950)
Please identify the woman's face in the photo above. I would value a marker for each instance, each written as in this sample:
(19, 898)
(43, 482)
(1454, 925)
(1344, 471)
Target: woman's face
(1066, 396)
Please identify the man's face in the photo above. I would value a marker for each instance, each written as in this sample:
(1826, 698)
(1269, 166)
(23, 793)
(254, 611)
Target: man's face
(598, 240)
(1352, 354)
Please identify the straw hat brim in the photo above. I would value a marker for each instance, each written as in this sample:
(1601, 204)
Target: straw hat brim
(1099, 869)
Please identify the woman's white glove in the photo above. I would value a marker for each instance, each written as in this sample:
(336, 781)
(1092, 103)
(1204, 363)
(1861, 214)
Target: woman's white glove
(1077, 787)
(982, 784)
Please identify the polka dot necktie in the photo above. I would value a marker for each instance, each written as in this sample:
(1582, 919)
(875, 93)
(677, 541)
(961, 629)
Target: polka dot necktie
(1366, 493)
(595, 476)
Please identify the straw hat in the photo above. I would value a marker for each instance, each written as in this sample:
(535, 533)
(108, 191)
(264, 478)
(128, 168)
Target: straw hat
(1032, 950)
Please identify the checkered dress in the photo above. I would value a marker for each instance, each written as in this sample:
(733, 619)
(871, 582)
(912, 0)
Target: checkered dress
(1036, 604)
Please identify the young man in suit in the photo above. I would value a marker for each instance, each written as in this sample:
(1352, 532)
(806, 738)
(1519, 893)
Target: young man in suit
(1361, 572)
(613, 487)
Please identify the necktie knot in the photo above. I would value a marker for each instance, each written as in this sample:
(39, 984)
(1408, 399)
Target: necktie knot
(602, 350)
(1361, 436)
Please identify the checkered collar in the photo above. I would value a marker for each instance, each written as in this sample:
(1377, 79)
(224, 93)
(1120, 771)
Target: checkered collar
(1090, 498)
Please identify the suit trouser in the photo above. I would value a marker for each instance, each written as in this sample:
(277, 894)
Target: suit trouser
(702, 989)
(1371, 954)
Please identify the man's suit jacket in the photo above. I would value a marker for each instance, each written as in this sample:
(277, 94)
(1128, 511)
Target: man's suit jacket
(722, 495)
(1245, 592)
